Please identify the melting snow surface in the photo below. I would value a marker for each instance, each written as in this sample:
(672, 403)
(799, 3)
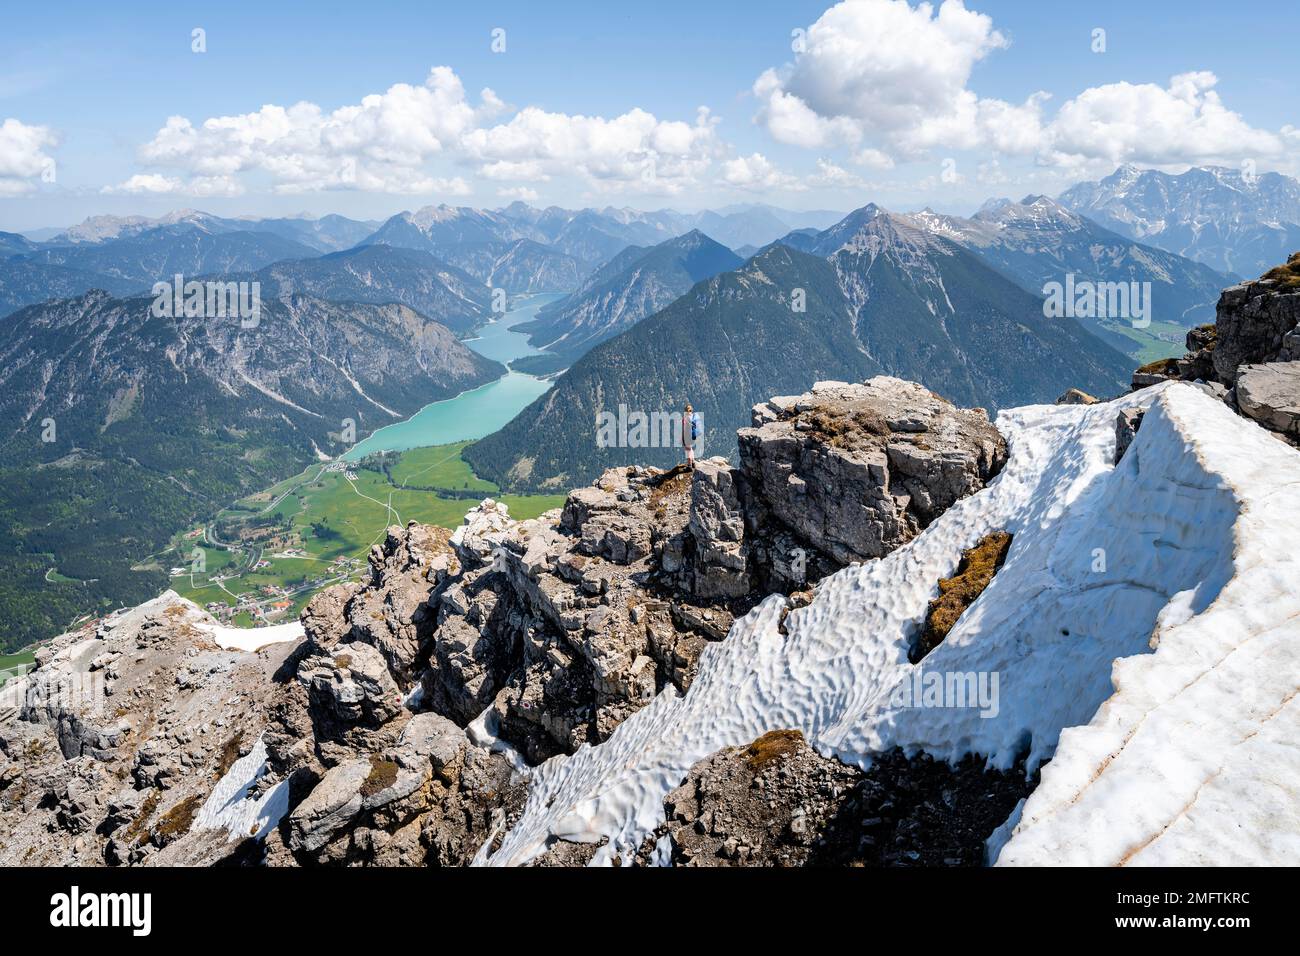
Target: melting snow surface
(228, 806)
(1148, 610)
(252, 638)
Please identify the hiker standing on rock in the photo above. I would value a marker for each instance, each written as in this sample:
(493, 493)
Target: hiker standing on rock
(690, 432)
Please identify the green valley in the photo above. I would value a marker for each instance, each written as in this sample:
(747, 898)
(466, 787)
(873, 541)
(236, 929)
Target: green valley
(262, 558)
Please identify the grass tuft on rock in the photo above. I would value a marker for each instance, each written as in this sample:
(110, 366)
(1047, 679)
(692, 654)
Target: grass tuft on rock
(770, 746)
(842, 428)
(176, 822)
(1288, 276)
(228, 754)
(675, 481)
(976, 570)
(1164, 366)
(383, 774)
(138, 828)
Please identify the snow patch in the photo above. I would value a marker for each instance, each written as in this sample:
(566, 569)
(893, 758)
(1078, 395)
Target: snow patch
(251, 638)
(230, 808)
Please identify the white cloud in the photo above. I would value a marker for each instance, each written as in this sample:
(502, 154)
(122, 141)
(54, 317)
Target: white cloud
(635, 149)
(527, 171)
(23, 155)
(889, 81)
(1183, 123)
(873, 158)
(387, 141)
(990, 173)
(521, 193)
(158, 184)
(831, 176)
(884, 72)
(755, 172)
(380, 144)
(146, 183)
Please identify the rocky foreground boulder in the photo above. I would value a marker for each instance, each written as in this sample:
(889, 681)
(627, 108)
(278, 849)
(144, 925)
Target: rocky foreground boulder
(1270, 394)
(1250, 356)
(777, 802)
(856, 470)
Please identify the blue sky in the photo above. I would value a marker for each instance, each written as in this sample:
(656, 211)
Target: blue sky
(905, 106)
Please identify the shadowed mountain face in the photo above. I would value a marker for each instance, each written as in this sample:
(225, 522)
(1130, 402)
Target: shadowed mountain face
(520, 267)
(12, 244)
(1038, 241)
(487, 245)
(382, 274)
(1233, 222)
(634, 284)
(24, 283)
(118, 427)
(929, 310)
(876, 294)
(726, 340)
(160, 253)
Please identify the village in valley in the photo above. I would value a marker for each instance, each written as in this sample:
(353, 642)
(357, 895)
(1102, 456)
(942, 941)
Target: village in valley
(260, 560)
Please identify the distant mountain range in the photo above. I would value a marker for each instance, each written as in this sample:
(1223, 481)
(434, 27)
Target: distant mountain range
(590, 236)
(157, 253)
(1233, 222)
(634, 284)
(325, 234)
(1037, 241)
(519, 248)
(117, 428)
(874, 293)
(131, 254)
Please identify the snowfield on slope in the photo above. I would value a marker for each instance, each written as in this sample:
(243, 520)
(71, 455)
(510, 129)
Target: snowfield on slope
(251, 638)
(1153, 602)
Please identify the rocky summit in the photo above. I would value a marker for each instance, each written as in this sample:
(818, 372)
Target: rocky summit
(400, 728)
(857, 470)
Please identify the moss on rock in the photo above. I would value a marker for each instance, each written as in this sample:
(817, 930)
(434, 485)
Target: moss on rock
(976, 570)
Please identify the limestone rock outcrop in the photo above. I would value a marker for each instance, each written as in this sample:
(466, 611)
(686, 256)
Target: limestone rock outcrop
(1255, 323)
(1250, 356)
(112, 744)
(855, 470)
(1270, 394)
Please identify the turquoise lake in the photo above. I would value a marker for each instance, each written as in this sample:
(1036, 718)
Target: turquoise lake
(481, 411)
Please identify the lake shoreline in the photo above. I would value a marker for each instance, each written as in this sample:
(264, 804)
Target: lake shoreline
(478, 411)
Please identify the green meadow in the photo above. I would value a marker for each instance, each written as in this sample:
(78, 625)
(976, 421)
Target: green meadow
(329, 516)
(15, 665)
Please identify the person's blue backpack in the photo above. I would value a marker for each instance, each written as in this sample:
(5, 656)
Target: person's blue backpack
(695, 425)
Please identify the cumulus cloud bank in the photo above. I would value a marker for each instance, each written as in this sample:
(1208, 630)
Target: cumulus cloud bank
(891, 81)
(872, 83)
(23, 156)
(384, 143)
